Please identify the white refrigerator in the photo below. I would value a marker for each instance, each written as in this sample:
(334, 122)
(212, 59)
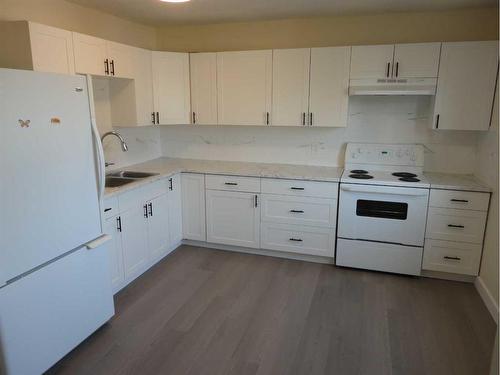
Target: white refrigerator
(55, 284)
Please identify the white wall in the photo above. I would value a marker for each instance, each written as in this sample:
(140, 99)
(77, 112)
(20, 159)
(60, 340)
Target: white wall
(487, 171)
(371, 119)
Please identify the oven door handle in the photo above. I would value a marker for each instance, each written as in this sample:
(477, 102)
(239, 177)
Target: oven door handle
(383, 190)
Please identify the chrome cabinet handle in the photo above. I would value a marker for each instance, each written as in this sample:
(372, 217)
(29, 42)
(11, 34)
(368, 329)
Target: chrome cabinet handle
(397, 69)
(437, 121)
(296, 188)
(170, 184)
(112, 67)
(256, 200)
(388, 69)
(194, 117)
(150, 204)
(106, 67)
(267, 118)
(297, 211)
(153, 118)
(310, 119)
(119, 224)
(451, 258)
(157, 118)
(303, 118)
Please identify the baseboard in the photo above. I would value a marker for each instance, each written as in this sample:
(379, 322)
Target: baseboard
(271, 253)
(487, 298)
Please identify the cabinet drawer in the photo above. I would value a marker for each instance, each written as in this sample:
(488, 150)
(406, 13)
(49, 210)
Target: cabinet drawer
(300, 188)
(233, 183)
(298, 239)
(319, 212)
(456, 225)
(132, 198)
(463, 200)
(454, 257)
(110, 207)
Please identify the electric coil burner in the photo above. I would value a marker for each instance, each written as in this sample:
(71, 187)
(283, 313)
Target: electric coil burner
(404, 174)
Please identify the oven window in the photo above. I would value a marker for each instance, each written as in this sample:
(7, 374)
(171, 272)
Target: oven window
(386, 210)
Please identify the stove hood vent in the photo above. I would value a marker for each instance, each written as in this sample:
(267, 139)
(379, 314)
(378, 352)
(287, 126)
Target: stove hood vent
(393, 86)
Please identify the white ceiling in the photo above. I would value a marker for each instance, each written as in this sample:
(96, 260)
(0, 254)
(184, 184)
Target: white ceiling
(157, 13)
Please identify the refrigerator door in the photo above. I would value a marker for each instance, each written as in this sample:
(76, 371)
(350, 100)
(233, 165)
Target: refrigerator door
(46, 314)
(48, 191)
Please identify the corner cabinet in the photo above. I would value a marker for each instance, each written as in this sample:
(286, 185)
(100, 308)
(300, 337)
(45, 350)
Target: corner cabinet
(466, 86)
(244, 87)
(203, 67)
(193, 206)
(172, 100)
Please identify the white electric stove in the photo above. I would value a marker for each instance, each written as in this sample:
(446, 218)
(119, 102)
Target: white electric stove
(382, 208)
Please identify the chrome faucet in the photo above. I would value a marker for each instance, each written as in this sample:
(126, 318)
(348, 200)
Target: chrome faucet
(118, 135)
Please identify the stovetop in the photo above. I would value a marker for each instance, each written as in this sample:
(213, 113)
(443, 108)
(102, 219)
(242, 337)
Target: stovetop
(385, 178)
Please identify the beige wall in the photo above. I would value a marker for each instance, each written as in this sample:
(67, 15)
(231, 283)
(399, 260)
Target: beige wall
(476, 24)
(62, 14)
(487, 170)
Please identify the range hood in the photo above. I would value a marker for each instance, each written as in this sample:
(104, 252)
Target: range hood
(393, 86)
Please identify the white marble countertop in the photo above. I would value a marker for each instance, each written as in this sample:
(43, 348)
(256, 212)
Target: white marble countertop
(455, 182)
(169, 166)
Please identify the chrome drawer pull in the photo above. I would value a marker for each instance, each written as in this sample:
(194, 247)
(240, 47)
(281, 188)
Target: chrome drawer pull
(455, 226)
(296, 239)
(297, 211)
(452, 258)
(296, 188)
(231, 183)
(459, 200)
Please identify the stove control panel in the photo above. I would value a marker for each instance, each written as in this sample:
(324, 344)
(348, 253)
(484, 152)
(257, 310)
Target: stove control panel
(410, 155)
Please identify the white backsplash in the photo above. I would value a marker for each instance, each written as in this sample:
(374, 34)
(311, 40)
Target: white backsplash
(143, 144)
(371, 119)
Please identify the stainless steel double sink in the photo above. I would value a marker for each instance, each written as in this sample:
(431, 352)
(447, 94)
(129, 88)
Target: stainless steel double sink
(120, 178)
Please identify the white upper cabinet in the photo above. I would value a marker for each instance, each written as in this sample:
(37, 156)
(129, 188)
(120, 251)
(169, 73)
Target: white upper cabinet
(51, 49)
(466, 85)
(416, 60)
(203, 88)
(371, 61)
(90, 54)
(32, 46)
(328, 97)
(101, 57)
(120, 59)
(244, 87)
(291, 86)
(143, 84)
(171, 88)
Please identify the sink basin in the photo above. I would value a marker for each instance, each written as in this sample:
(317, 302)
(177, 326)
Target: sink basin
(131, 174)
(112, 181)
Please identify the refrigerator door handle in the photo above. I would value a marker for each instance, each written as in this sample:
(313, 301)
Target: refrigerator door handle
(98, 241)
(101, 169)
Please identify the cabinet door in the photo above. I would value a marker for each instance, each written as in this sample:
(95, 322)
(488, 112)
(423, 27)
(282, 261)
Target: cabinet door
(120, 59)
(175, 210)
(158, 227)
(143, 81)
(51, 49)
(193, 206)
(466, 85)
(291, 86)
(416, 60)
(134, 241)
(233, 218)
(203, 88)
(111, 227)
(171, 87)
(372, 61)
(328, 97)
(90, 54)
(244, 86)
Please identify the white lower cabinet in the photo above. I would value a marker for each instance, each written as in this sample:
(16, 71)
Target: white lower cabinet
(454, 257)
(298, 239)
(193, 206)
(112, 227)
(233, 218)
(145, 224)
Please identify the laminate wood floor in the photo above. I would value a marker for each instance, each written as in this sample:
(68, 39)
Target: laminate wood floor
(204, 311)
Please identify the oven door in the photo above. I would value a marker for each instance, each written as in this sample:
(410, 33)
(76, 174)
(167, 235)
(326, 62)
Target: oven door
(383, 213)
